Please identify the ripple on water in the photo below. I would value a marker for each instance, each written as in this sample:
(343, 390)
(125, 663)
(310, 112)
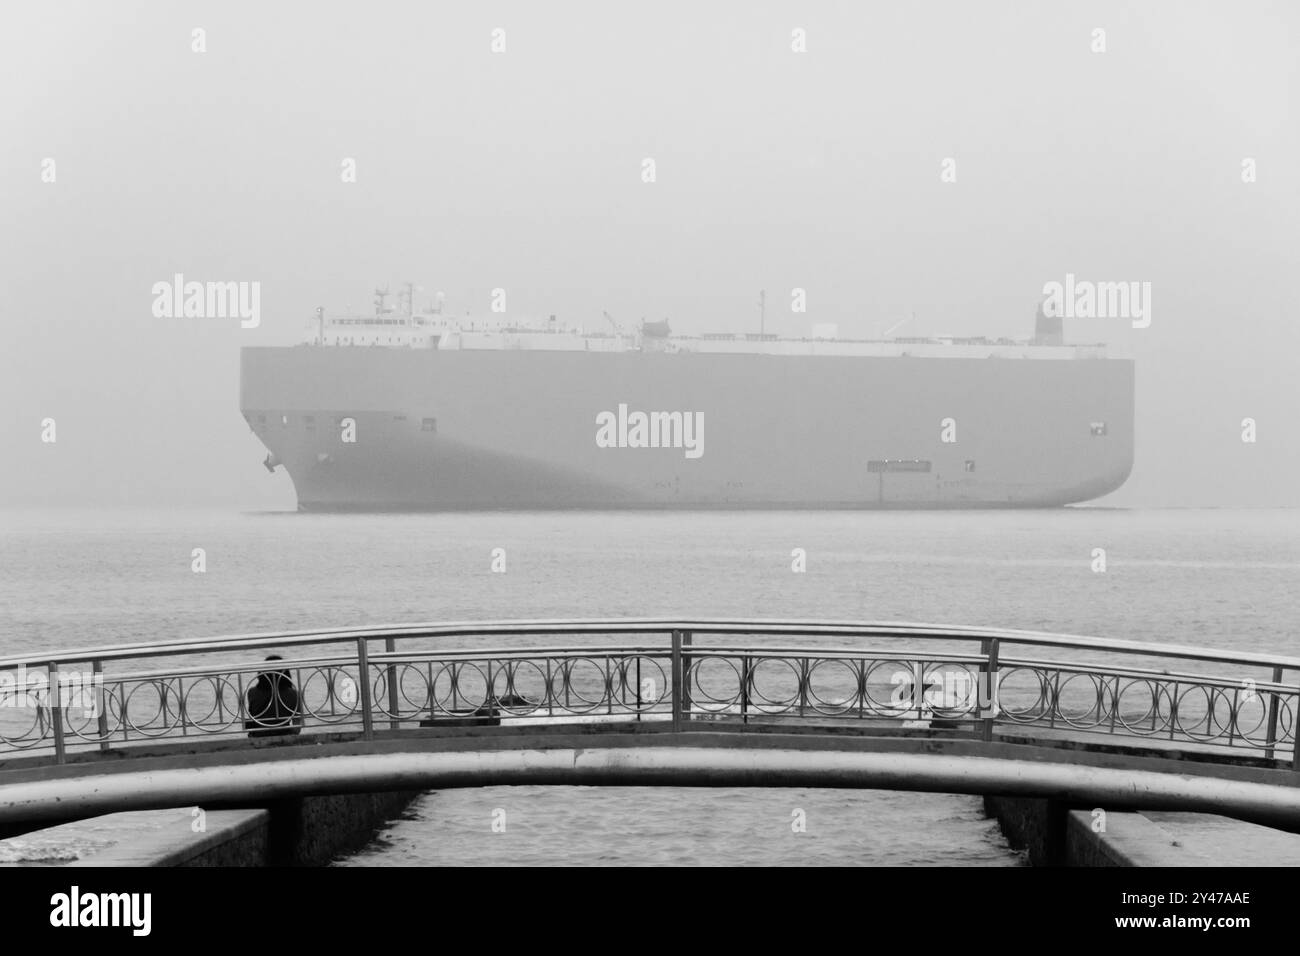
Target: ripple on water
(650, 826)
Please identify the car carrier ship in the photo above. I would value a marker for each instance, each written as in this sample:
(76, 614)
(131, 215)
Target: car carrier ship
(407, 410)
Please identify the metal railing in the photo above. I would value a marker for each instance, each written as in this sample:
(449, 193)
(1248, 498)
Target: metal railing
(684, 673)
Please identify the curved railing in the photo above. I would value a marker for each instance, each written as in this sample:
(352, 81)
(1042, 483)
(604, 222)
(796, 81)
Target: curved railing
(685, 674)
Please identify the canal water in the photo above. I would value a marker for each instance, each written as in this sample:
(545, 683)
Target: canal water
(1213, 577)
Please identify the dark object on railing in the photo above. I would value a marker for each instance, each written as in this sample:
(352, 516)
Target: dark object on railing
(925, 705)
(486, 715)
(273, 706)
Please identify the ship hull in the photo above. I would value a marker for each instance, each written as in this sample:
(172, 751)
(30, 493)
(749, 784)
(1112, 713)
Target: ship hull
(372, 429)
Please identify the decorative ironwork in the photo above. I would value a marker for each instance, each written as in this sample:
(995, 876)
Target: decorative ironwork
(740, 672)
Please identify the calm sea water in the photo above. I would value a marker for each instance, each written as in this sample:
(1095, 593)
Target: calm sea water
(1214, 578)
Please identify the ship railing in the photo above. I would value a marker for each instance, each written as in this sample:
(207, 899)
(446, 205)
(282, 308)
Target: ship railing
(676, 674)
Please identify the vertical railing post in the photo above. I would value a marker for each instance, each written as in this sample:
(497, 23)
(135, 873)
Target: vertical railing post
(1271, 739)
(804, 678)
(181, 710)
(1054, 700)
(1295, 740)
(744, 689)
(638, 688)
(97, 668)
(686, 676)
(676, 668)
(390, 645)
(1234, 715)
(1114, 702)
(988, 681)
(550, 691)
(1295, 734)
(363, 691)
(918, 688)
(609, 686)
(56, 712)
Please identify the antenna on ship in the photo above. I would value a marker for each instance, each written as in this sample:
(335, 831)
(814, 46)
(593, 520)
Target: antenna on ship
(897, 325)
(320, 322)
(618, 329)
(380, 296)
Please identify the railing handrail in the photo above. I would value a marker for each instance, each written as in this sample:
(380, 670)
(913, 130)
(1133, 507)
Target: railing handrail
(1112, 670)
(663, 626)
(554, 679)
(650, 651)
(497, 653)
(383, 657)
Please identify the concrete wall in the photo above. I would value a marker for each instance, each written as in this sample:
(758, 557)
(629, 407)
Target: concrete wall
(1033, 826)
(1129, 839)
(1054, 834)
(227, 838)
(311, 831)
(308, 831)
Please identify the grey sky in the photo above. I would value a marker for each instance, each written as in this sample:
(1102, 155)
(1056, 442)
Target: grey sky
(522, 170)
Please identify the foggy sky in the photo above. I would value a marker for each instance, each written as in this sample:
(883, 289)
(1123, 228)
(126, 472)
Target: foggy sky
(521, 170)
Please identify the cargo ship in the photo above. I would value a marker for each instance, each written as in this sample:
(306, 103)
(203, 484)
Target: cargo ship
(420, 410)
